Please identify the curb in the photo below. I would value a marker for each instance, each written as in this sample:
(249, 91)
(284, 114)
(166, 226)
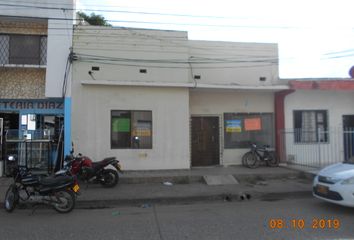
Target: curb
(226, 197)
(186, 179)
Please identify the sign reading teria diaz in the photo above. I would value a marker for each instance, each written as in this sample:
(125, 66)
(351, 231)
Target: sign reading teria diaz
(31, 104)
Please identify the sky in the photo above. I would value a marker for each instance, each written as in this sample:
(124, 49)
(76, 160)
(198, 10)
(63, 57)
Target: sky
(315, 37)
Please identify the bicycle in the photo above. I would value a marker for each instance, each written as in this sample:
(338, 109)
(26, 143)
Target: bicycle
(257, 154)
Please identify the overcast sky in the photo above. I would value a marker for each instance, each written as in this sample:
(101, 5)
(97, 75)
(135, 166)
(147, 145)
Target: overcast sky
(315, 38)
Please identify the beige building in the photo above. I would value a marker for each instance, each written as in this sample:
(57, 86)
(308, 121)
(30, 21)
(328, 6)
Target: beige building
(156, 100)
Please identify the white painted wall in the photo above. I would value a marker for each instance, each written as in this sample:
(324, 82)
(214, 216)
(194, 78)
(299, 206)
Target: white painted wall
(38, 8)
(337, 104)
(170, 57)
(234, 63)
(91, 114)
(58, 49)
(217, 102)
(126, 50)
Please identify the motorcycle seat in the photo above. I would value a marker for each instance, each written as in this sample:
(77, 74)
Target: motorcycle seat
(50, 181)
(103, 162)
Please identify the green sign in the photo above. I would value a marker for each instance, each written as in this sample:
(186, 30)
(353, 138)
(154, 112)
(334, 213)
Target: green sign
(121, 124)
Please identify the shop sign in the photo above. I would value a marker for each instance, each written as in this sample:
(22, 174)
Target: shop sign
(253, 124)
(233, 126)
(31, 104)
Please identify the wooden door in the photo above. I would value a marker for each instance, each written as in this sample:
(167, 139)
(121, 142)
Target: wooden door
(205, 141)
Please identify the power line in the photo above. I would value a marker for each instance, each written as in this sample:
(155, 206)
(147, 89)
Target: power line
(156, 13)
(174, 67)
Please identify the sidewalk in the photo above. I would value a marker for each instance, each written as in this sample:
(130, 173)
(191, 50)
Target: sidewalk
(142, 188)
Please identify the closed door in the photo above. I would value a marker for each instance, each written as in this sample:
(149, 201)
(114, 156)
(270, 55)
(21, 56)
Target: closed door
(205, 141)
(348, 136)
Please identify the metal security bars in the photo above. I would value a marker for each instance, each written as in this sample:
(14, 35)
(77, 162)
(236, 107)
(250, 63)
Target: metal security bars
(23, 49)
(339, 147)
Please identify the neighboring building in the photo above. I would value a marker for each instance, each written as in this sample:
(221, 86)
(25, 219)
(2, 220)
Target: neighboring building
(156, 100)
(319, 122)
(35, 78)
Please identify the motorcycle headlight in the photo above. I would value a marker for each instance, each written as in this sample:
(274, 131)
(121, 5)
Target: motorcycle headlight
(348, 181)
(11, 158)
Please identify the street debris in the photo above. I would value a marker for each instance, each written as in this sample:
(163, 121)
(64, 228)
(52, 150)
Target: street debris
(167, 183)
(146, 205)
(115, 213)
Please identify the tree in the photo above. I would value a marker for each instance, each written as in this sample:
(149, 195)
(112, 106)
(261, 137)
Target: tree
(94, 19)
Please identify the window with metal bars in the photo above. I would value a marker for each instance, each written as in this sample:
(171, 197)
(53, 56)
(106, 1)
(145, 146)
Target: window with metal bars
(23, 49)
(310, 126)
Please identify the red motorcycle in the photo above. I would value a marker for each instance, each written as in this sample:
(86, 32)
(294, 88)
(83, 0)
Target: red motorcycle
(89, 171)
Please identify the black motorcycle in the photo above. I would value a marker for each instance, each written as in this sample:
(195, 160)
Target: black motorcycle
(56, 191)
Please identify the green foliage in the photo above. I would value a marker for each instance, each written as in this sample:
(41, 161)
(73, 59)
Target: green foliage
(93, 19)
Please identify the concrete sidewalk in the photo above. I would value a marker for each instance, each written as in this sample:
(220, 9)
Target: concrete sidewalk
(143, 188)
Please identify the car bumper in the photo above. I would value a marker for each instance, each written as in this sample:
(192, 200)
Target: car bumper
(337, 193)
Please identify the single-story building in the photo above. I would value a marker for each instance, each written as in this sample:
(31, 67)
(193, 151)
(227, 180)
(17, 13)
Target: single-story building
(157, 100)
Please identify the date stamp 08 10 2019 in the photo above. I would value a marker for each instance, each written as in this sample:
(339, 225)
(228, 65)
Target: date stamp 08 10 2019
(315, 223)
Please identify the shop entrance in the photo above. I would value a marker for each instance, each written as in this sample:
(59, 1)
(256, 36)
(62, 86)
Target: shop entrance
(205, 141)
(7, 121)
(35, 140)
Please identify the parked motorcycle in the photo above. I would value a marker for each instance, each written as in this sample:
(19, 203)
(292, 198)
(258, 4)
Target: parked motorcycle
(56, 191)
(89, 171)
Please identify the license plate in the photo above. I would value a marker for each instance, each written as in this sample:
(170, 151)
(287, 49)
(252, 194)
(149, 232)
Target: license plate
(76, 188)
(322, 189)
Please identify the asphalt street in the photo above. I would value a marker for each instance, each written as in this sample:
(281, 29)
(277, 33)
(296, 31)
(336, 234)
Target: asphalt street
(303, 218)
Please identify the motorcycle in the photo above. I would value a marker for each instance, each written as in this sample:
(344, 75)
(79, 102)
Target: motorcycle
(89, 171)
(56, 191)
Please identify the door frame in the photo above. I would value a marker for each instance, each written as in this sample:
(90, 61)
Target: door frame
(346, 151)
(221, 137)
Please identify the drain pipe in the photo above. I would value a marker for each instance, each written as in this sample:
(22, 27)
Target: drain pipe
(279, 112)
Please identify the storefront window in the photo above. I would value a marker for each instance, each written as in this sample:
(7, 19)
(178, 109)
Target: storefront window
(242, 129)
(131, 129)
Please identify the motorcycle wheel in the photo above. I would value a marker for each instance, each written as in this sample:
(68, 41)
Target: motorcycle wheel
(64, 201)
(11, 198)
(272, 160)
(109, 178)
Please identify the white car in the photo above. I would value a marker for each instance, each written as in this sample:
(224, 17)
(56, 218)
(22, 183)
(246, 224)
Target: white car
(335, 184)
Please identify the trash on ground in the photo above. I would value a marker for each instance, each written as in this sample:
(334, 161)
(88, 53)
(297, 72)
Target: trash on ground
(167, 183)
(146, 205)
(244, 196)
(262, 183)
(115, 213)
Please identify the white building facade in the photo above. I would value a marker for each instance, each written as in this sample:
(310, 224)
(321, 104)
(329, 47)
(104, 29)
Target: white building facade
(157, 100)
(319, 122)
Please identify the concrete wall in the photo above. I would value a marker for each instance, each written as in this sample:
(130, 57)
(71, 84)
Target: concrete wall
(120, 53)
(216, 103)
(22, 83)
(91, 115)
(337, 104)
(233, 63)
(169, 57)
(38, 8)
(59, 21)
(58, 50)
